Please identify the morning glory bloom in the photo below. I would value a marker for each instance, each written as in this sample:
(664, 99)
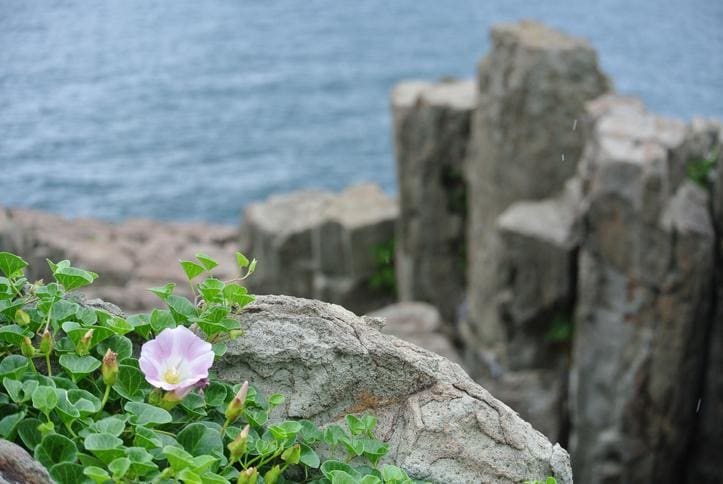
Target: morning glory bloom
(176, 360)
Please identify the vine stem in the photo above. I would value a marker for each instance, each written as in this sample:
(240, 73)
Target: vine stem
(47, 363)
(105, 397)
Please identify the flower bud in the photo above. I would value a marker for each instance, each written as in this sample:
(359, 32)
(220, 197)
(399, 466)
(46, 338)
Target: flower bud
(26, 348)
(292, 455)
(46, 343)
(236, 406)
(238, 446)
(249, 476)
(109, 369)
(22, 318)
(83, 346)
(272, 475)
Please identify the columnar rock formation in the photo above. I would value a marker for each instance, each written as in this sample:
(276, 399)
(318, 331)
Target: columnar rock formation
(431, 130)
(324, 246)
(441, 426)
(644, 299)
(524, 145)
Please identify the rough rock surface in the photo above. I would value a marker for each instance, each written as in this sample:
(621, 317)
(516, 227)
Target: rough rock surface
(524, 145)
(441, 426)
(644, 294)
(419, 323)
(130, 257)
(431, 133)
(18, 467)
(705, 464)
(321, 245)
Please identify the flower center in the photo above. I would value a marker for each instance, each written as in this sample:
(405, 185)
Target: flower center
(172, 376)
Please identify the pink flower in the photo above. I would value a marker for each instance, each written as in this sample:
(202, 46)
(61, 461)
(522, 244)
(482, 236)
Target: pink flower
(176, 361)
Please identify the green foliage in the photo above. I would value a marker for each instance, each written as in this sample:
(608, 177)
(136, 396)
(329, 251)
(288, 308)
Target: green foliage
(561, 329)
(549, 480)
(93, 418)
(699, 170)
(384, 278)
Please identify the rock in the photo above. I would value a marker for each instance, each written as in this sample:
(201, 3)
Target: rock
(130, 257)
(419, 323)
(431, 132)
(441, 426)
(524, 145)
(321, 245)
(17, 467)
(644, 294)
(705, 465)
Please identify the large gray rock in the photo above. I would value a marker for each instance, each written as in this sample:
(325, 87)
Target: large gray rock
(644, 294)
(441, 426)
(431, 133)
(322, 245)
(17, 467)
(524, 145)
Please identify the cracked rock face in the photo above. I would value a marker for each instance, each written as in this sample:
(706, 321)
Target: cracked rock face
(17, 467)
(441, 426)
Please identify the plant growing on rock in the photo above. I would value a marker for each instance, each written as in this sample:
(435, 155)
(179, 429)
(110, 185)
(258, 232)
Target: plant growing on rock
(78, 396)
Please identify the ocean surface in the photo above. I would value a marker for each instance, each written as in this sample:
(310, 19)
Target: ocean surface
(191, 109)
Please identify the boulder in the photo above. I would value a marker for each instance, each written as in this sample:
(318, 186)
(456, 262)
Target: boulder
(644, 296)
(441, 426)
(17, 467)
(322, 245)
(524, 145)
(431, 133)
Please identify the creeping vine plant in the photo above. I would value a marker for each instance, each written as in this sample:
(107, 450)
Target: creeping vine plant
(74, 396)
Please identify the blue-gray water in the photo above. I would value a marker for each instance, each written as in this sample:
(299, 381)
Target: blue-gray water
(190, 109)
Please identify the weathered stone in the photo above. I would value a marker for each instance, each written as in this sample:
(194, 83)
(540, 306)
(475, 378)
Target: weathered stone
(644, 294)
(705, 465)
(524, 146)
(419, 323)
(17, 467)
(431, 133)
(441, 426)
(321, 245)
(130, 257)
(536, 276)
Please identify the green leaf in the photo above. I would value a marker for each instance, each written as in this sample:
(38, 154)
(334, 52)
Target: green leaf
(120, 345)
(206, 261)
(84, 401)
(392, 473)
(215, 394)
(76, 332)
(19, 392)
(14, 366)
(119, 467)
(310, 433)
(97, 474)
(119, 325)
(113, 425)
(236, 294)
(181, 308)
(330, 466)
(212, 290)
(106, 447)
(309, 457)
(178, 458)
(131, 384)
(145, 414)
(241, 260)
(198, 439)
(219, 349)
(164, 291)
(14, 334)
(67, 411)
(146, 438)
(277, 399)
(10, 263)
(9, 423)
(370, 479)
(191, 269)
(29, 433)
(187, 476)
(161, 319)
(54, 449)
(141, 461)
(67, 473)
(45, 399)
(79, 365)
(334, 435)
(341, 477)
(73, 278)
